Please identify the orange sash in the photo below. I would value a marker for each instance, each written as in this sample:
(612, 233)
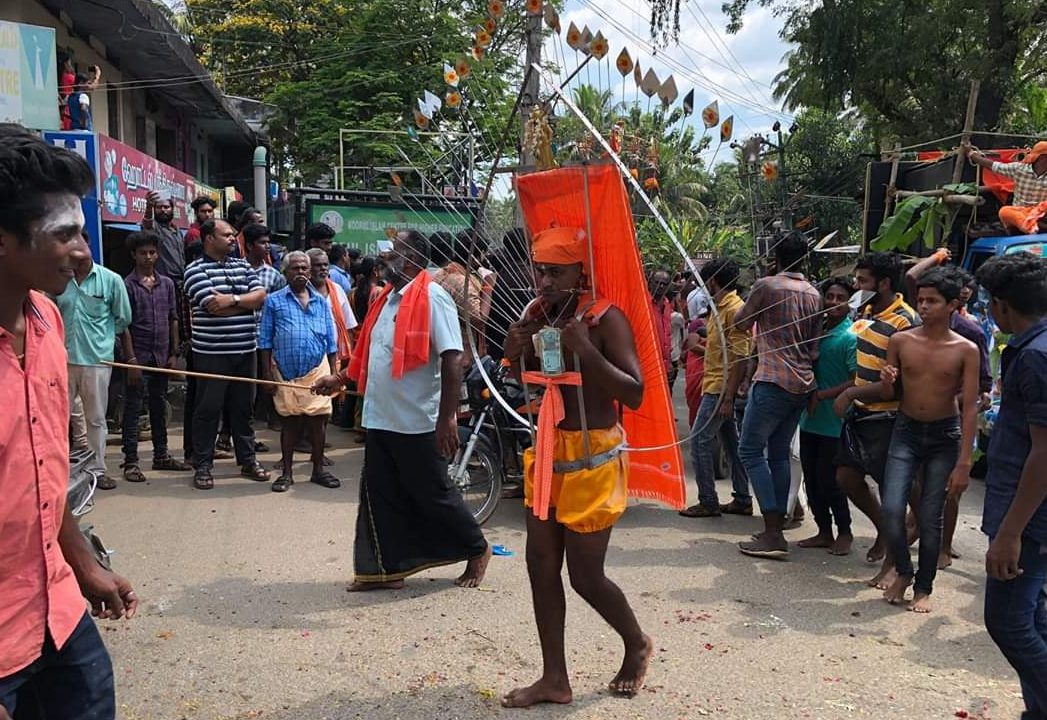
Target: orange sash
(410, 336)
(549, 416)
(345, 347)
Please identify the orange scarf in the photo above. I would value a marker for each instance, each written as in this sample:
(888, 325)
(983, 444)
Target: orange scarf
(345, 347)
(410, 337)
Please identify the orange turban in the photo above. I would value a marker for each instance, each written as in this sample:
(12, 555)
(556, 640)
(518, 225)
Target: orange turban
(561, 246)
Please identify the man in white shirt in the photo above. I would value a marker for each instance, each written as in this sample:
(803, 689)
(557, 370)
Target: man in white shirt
(407, 364)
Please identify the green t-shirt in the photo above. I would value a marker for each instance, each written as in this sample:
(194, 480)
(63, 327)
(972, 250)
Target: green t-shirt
(837, 363)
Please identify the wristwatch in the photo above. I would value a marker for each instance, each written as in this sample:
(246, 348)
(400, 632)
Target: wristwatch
(236, 300)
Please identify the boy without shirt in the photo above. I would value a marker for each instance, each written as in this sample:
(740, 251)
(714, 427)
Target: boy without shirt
(925, 366)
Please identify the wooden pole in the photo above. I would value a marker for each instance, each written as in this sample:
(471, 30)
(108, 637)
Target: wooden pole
(968, 128)
(889, 201)
(206, 376)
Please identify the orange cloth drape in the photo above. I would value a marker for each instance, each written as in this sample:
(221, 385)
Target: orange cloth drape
(1026, 219)
(410, 336)
(345, 347)
(556, 197)
(549, 416)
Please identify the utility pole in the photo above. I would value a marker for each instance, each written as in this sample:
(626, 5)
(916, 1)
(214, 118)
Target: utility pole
(529, 95)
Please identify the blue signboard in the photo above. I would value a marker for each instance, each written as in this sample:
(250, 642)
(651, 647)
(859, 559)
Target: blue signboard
(84, 144)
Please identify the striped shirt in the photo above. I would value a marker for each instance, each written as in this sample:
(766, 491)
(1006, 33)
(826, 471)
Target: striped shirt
(212, 334)
(788, 314)
(874, 332)
(1029, 188)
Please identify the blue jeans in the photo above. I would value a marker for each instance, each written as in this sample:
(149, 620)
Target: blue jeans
(1016, 618)
(770, 421)
(935, 446)
(74, 683)
(707, 424)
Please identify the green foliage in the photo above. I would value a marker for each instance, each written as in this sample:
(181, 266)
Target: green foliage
(907, 67)
(919, 218)
(359, 64)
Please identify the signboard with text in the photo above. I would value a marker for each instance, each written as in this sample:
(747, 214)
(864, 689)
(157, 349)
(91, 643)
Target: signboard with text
(28, 76)
(85, 145)
(362, 226)
(127, 177)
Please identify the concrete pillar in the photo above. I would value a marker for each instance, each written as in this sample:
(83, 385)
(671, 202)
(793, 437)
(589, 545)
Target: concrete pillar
(261, 183)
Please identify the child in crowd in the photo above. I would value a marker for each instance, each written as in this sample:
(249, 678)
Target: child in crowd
(926, 366)
(1015, 517)
(820, 428)
(154, 339)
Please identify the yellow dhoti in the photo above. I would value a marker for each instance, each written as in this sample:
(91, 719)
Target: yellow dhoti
(586, 500)
(292, 401)
(1025, 218)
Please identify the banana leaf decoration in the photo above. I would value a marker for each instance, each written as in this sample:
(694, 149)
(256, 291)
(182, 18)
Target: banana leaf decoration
(711, 115)
(451, 76)
(552, 18)
(667, 92)
(688, 103)
(624, 63)
(650, 84)
(574, 37)
(727, 129)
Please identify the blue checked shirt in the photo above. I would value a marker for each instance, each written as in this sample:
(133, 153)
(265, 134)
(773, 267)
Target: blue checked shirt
(299, 338)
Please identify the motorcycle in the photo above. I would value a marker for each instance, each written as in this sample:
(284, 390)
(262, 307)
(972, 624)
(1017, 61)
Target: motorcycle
(80, 499)
(491, 440)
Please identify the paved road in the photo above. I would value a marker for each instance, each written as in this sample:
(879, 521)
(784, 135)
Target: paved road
(245, 615)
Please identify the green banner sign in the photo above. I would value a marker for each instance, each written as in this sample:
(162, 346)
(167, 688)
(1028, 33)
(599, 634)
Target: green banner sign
(362, 226)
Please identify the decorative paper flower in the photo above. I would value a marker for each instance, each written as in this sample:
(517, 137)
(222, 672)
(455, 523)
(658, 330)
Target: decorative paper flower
(711, 115)
(599, 47)
(397, 181)
(453, 99)
(574, 37)
(727, 129)
(478, 52)
(451, 76)
(770, 171)
(462, 68)
(552, 18)
(624, 63)
(483, 38)
(651, 185)
(490, 25)
(421, 120)
(533, 6)
(496, 8)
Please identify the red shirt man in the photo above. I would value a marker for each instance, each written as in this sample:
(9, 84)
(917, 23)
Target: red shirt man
(661, 314)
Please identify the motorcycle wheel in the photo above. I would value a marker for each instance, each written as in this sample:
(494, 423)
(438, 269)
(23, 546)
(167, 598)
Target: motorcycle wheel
(482, 486)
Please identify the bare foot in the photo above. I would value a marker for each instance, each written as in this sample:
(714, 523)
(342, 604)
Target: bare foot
(366, 586)
(842, 545)
(953, 554)
(885, 578)
(543, 691)
(629, 680)
(944, 559)
(895, 593)
(475, 570)
(877, 552)
(821, 540)
(921, 603)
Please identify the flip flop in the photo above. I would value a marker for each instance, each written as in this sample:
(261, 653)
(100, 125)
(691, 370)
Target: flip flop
(326, 480)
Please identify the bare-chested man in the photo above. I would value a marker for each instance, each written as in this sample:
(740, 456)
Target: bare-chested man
(926, 366)
(580, 500)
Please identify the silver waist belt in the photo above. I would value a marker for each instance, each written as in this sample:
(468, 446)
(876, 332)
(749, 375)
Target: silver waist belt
(590, 463)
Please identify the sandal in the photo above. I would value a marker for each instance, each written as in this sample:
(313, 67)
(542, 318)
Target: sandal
(700, 511)
(169, 463)
(255, 471)
(282, 483)
(260, 447)
(224, 444)
(203, 480)
(326, 479)
(133, 473)
(106, 483)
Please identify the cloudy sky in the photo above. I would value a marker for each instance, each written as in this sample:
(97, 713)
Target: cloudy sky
(735, 70)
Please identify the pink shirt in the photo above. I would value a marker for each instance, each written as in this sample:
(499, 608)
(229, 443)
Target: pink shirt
(37, 585)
